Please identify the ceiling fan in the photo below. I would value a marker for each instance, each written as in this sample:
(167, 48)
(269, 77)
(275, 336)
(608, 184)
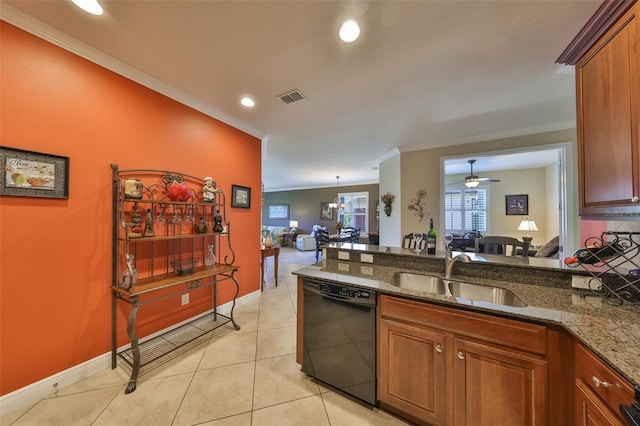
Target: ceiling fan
(472, 180)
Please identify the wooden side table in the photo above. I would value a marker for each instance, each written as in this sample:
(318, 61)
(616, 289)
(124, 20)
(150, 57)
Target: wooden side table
(291, 238)
(266, 252)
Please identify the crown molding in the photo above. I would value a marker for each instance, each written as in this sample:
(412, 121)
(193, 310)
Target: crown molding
(390, 154)
(599, 23)
(28, 23)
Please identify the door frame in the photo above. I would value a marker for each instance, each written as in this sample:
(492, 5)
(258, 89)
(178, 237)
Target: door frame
(569, 220)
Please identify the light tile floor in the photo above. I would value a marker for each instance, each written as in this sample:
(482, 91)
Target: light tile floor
(245, 377)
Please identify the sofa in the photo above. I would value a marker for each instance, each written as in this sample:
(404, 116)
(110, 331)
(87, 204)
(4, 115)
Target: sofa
(306, 242)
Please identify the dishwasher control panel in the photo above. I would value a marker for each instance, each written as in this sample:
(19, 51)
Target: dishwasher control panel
(345, 291)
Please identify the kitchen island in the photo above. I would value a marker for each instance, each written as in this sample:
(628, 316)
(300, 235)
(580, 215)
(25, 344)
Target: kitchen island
(611, 332)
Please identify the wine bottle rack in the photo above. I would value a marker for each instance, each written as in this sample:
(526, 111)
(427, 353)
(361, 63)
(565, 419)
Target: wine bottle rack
(616, 278)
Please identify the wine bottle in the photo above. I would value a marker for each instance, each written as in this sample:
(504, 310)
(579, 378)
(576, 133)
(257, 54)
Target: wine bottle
(431, 238)
(594, 254)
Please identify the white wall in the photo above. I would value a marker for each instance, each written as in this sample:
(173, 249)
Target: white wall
(390, 226)
(552, 180)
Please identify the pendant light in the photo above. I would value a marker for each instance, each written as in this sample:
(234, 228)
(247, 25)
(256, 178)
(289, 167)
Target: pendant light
(336, 203)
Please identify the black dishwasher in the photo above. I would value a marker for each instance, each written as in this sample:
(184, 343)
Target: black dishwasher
(339, 335)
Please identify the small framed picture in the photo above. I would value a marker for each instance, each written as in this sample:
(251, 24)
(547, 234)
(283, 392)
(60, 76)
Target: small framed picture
(240, 196)
(278, 211)
(326, 212)
(517, 205)
(33, 174)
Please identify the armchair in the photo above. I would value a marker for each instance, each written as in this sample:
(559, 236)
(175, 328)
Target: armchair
(307, 242)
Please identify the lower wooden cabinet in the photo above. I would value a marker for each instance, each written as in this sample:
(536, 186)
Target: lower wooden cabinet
(412, 370)
(435, 366)
(497, 386)
(590, 410)
(599, 390)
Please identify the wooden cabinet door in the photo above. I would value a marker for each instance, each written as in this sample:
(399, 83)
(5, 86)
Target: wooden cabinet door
(599, 390)
(498, 386)
(608, 116)
(411, 365)
(590, 411)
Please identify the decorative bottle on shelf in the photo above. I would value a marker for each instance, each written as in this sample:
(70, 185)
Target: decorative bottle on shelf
(217, 222)
(130, 275)
(135, 227)
(148, 227)
(202, 227)
(594, 254)
(431, 238)
(210, 260)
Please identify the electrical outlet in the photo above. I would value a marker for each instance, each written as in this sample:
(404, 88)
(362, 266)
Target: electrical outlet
(185, 299)
(366, 258)
(588, 283)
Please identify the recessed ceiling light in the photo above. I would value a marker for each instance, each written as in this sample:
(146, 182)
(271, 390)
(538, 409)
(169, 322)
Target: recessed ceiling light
(248, 102)
(89, 6)
(349, 31)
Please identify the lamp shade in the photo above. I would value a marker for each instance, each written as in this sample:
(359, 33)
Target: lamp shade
(293, 224)
(527, 225)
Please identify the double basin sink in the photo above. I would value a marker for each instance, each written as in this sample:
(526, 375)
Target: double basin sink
(464, 292)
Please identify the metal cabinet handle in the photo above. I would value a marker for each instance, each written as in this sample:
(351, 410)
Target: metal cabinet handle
(635, 199)
(439, 348)
(460, 355)
(597, 382)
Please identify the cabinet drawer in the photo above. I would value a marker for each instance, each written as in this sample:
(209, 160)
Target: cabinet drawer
(601, 379)
(506, 332)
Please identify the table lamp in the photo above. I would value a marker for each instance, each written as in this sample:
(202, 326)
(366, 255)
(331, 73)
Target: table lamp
(527, 226)
(293, 224)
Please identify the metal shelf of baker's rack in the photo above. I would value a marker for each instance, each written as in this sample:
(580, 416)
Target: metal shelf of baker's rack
(171, 237)
(617, 277)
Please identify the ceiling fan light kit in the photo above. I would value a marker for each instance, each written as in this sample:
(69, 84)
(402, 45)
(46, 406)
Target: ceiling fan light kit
(472, 180)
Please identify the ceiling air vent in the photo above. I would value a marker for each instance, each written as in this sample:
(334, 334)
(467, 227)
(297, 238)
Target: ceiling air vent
(291, 97)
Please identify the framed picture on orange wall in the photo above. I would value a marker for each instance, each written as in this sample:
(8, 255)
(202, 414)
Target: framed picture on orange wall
(240, 196)
(33, 174)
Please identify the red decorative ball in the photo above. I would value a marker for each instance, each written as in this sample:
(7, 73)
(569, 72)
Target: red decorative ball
(178, 191)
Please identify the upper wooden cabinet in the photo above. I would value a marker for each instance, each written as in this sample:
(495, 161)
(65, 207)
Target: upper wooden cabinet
(608, 112)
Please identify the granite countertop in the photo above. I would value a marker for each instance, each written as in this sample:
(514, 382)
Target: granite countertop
(613, 332)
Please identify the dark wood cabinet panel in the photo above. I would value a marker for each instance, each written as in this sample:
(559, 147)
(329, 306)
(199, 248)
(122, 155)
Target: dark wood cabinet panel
(608, 116)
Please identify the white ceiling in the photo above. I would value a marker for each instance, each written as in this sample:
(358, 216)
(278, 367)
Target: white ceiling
(423, 73)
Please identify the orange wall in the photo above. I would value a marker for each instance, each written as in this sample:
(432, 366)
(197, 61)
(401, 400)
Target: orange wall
(55, 255)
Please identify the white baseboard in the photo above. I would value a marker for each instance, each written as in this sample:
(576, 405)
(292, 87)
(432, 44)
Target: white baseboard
(30, 394)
